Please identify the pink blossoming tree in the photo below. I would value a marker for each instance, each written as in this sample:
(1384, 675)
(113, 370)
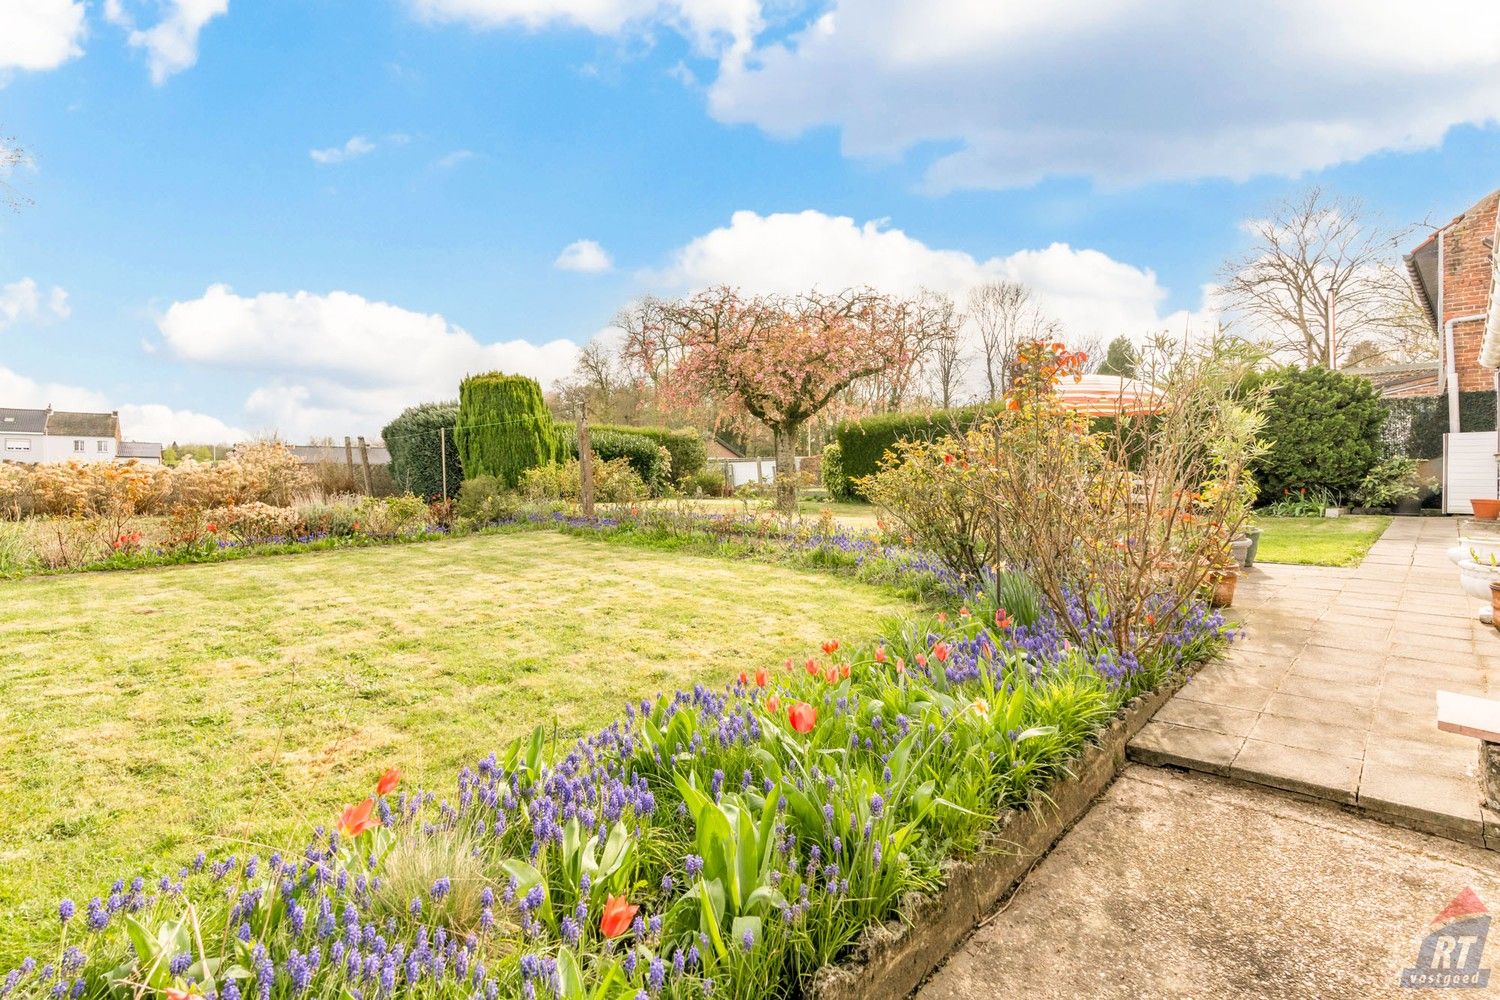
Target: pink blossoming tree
(776, 359)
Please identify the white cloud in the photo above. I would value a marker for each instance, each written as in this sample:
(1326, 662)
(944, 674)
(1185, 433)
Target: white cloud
(356, 146)
(450, 160)
(40, 34)
(23, 301)
(340, 363)
(583, 255)
(172, 43)
(712, 25)
(1123, 91)
(1089, 292)
(138, 421)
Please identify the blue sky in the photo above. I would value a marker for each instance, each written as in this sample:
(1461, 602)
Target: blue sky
(304, 216)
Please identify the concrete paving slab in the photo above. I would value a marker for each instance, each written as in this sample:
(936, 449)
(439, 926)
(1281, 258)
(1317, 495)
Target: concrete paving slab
(1298, 769)
(1184, 886)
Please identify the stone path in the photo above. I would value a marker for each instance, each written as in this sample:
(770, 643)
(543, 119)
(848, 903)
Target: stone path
(1331, 692)
(1181, 885)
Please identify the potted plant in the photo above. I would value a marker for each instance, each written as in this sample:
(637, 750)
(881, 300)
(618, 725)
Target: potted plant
(1485, 510)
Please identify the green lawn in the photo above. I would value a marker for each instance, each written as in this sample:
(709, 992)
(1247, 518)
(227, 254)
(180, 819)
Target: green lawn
(147, 713)
(1318, 541)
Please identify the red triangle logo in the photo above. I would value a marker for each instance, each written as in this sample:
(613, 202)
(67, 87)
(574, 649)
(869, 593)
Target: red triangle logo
(1465, 904)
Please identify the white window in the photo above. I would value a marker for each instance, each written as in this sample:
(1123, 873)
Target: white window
(17, 444)
(77, 445)
(104, 447)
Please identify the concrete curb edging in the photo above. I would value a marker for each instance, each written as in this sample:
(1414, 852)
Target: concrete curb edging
(891, 959)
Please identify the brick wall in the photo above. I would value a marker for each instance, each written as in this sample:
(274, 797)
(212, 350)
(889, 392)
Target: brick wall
(1468, 270)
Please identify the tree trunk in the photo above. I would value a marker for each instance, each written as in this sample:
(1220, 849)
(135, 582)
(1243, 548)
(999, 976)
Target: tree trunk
(786, 468)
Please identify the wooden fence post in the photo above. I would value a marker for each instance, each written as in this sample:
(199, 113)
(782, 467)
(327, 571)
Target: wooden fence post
(585, 463)
(349, 460)
(443, 452)
(364, 459)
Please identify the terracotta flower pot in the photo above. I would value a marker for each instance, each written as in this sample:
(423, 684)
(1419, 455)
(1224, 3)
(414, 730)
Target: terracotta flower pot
(1495, 602)
(1222, 595)
(1485, 510)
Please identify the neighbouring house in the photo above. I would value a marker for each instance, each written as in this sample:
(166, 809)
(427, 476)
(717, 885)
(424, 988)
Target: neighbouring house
(1456, 270)
(50, 435)
(717, 447)
(337, 454)
(1407, 380)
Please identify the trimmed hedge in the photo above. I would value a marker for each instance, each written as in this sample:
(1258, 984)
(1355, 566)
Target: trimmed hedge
(684, 444)
(1416, 424)
(504, 427)
(649, 460)
(416, 452)
(1324, 429)
(863, 443)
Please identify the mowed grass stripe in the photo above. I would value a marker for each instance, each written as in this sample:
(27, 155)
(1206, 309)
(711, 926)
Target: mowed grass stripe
(146, 714)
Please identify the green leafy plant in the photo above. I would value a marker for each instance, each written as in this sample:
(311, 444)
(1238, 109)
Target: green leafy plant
(503, 427)
(414, 440)
(1323, 429)
(1392, 481)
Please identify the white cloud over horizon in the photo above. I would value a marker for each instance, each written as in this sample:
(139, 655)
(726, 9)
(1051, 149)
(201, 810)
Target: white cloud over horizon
(339, 362)
(1089, 292)
(586, 256)
(38, 35)
(138, 421)
(712, 25)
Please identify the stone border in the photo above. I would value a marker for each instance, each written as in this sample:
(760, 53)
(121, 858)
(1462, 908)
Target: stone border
(890, 960)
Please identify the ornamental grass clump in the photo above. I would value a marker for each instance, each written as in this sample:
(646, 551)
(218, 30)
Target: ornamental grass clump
(723, 841)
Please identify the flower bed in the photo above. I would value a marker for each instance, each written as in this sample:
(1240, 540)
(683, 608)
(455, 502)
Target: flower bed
(726, 842)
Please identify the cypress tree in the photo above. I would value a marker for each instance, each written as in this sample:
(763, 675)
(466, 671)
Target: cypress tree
(417, 453)
(504, 427)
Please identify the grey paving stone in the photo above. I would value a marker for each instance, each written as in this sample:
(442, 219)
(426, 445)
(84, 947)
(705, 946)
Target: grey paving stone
(1324, 689)
(1306, 772)
(1203, 715)
(1338, 713)
(1432, 802)
(1220, 692)
(1163, 743)
(1303, 734)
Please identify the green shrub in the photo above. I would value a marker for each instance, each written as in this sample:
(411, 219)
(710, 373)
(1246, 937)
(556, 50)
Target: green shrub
(614, 482)
(416, 450)
(651, 461)
(503, 427)
(487, 498)
(1392, 481)
(684, 444)
(708, 482)
(1323, 429)
(832, 473)
(864, 443)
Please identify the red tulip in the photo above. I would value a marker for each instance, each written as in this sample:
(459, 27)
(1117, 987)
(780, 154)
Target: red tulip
(388, 782)
(921, 659)
(830, 647)
(829, 676)
(964, 612)
(1002, 619)
(761, 677)
(802, 716)
(358, 818)
(942, 617)
(618, 913)
(900, 665)
(812, 667)
(180, 995)
(843, 670)
(773, 704)
(941, 652)
(880, 654)
(744, 677)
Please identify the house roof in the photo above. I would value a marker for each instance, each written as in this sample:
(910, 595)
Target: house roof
(63, 423)
(1394, 381)
(312, 454)
(139, 449)
(23, 421)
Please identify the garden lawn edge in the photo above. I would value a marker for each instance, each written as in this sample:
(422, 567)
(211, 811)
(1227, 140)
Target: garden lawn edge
(892, 959)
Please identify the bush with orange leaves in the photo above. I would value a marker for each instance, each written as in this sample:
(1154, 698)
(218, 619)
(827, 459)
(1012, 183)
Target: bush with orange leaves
(1137, 516)
(265, 472)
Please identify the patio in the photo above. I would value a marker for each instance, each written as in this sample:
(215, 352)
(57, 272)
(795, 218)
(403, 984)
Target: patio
(1331, 693)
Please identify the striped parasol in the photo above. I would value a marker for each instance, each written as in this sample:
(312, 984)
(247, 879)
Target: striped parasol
(1109, 396)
